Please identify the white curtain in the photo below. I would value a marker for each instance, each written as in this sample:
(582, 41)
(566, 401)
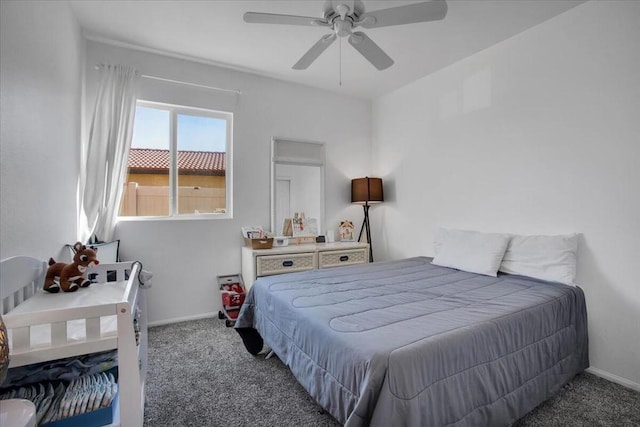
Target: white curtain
(104, 158)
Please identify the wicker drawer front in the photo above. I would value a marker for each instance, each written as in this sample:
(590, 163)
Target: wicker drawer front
(348, 257)
(286, 263)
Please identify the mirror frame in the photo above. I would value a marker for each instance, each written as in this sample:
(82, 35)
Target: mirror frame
(298, 160)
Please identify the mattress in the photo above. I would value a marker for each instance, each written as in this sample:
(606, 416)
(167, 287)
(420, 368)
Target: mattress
(410, 343)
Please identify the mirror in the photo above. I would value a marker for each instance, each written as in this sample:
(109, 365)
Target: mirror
(297, 181)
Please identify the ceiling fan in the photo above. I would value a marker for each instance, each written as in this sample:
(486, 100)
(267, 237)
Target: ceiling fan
(342, 16)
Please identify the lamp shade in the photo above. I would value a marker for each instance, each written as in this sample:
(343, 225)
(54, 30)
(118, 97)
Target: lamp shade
(366, 190)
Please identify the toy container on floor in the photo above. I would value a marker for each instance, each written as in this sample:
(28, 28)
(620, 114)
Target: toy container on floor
(233, 294)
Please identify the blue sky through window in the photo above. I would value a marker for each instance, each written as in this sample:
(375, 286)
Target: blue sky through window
(195, 133)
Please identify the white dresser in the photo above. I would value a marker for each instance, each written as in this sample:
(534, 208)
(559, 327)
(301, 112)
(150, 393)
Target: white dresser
(287, 259)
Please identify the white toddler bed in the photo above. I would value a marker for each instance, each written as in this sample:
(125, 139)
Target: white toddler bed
(105, 316)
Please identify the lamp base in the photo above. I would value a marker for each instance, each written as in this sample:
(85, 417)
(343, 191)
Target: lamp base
(366, 226)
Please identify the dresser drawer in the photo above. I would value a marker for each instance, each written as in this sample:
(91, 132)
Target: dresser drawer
(285, 263)
(344, 257)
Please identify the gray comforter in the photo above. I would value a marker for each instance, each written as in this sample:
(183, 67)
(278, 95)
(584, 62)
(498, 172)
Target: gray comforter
(407, 343)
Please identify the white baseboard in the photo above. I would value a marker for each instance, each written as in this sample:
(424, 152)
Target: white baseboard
(183, 319)
(614, 378)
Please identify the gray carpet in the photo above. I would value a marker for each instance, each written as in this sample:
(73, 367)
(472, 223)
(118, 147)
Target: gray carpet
(201, 375)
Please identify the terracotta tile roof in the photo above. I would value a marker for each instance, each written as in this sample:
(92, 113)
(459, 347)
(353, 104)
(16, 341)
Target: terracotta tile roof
(146, 160)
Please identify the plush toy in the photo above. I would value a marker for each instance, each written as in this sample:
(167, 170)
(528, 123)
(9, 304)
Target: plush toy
(70, 277)
(346, 230)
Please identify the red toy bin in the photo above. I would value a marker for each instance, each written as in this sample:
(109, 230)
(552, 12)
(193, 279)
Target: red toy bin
(232, 294)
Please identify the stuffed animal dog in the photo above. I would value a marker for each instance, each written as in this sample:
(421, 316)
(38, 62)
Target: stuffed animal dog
(70, 277)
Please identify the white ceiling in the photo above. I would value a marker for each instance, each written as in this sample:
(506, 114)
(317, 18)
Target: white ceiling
(214, 31)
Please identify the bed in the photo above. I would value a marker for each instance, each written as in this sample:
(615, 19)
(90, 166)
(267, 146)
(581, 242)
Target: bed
(410, 343)
(109, 314)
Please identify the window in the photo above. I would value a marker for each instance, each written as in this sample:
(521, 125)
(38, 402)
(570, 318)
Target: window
(178, 162)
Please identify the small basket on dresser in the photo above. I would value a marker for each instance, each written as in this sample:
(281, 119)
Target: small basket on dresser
(259, 243)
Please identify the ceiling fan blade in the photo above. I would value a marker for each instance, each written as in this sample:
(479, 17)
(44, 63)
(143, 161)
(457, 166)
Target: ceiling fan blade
(370, 50)
(315, 51)
(274, 18)
(434, 10)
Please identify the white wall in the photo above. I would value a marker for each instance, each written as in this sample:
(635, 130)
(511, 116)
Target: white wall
(536, 135)
(41, 65)
(185, 256)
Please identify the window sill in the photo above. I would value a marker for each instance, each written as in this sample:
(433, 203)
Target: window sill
(184, 217)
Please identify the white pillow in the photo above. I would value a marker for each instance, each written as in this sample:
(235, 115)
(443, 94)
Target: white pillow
(551, 258)
(438, 240)
(471, 251)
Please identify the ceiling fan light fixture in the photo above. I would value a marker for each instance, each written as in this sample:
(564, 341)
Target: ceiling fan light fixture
(342, 28)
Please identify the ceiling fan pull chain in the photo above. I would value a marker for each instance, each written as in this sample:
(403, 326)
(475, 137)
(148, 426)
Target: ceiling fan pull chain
(340, 61)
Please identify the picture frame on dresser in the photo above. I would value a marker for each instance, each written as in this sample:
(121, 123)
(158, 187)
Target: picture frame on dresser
(287, 227)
